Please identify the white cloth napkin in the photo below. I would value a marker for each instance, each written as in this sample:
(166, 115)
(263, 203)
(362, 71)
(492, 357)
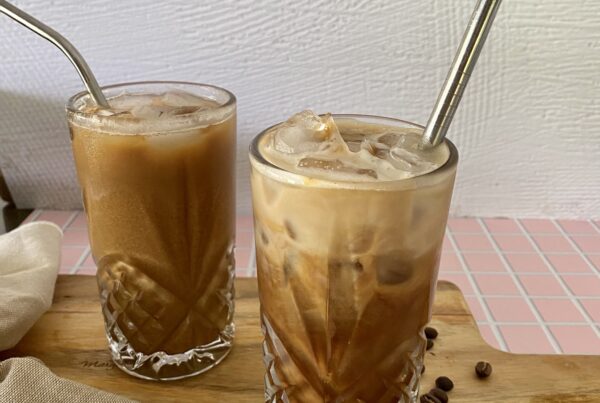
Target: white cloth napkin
(29, 261)
(29, 380)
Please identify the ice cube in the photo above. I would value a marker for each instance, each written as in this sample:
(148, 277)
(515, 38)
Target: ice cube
(379, 150)
(392, 269)
(329, 165)
(389, 139)
(105, 112)
(353, 141)
(335, 165)
(127, 102)
(179, 98)
(148, 112)
(307, 132)
(410, 160)
(182, 110)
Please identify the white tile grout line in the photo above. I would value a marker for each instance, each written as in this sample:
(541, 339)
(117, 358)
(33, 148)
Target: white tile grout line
(577, 324)
(576, 247)
(593, 224)
(549, 234)
(592, 298)
(525, 273)
(494, 328)
(575, 300)
(34, 215)
(82, 258)
(571, 296)
(517, 281)
(71, 218)
(483, 252)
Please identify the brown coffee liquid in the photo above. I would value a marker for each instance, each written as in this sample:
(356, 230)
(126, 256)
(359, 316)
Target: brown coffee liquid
(160, 210)
(346, 277)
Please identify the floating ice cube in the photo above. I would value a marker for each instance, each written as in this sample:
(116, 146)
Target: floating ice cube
(148, 112)
(389, 139)
(307, 132)
(125, 101)
(409, 160)
(353, 141)
(181, 110)
(334, 165)
(409, 156)
(178, 98)
(104, 112)
(329, 165)
(379, 150)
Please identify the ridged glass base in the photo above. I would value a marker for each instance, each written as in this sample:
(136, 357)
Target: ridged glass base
(166, 330)
(288, 382)
(161, 366)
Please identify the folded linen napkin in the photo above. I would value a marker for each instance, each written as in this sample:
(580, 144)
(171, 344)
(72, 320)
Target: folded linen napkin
(29, 380)
(29, 262)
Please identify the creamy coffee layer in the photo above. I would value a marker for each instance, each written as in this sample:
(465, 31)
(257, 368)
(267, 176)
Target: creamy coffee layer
(346, 149)
(152, 114)
(157, 177)
(348, 237)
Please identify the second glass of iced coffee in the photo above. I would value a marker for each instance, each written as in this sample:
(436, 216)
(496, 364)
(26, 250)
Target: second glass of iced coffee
(350, 213)
(156, 172)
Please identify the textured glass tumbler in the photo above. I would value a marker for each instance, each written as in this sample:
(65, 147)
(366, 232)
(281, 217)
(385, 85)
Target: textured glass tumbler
(347, 275)
(159, 196)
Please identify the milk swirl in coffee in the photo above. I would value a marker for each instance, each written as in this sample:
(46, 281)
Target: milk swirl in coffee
(350, 215)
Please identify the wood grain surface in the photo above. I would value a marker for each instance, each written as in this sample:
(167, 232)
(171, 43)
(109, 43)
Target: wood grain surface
(70, 339)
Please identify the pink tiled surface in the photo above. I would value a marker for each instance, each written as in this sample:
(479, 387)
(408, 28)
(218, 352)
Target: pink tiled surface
(533, 285)
(531, 339)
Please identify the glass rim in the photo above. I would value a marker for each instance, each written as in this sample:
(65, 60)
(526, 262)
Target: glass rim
(450, 163)
(70, 105)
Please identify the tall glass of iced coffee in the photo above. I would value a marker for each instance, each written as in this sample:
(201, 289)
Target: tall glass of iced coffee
(350, 213)
(156, 172)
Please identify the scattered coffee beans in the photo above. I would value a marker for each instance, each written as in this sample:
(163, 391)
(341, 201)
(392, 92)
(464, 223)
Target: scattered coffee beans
(431, 333)
(483, 369)
(429, 344)
(444, 383)
(427, 398)
(440, 394)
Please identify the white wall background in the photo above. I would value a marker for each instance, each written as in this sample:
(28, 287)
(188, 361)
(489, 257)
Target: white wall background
(528, 129)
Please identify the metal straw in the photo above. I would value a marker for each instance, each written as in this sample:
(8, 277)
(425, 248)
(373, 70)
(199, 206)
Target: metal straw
(458, 76)
(63, 44)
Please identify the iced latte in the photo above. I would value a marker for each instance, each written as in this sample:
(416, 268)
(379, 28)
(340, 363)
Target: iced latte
(350, 213)
(157, 177)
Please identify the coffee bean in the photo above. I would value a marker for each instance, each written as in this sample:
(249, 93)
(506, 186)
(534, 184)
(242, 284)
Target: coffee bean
(483, 369)
(444, 383)
(427, 398)
(422, 369)
(440, 394)
(429, 344)
(431, 333)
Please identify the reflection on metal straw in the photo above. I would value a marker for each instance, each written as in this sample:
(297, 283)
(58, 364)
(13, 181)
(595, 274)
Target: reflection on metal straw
(63, 44)
(461, 70)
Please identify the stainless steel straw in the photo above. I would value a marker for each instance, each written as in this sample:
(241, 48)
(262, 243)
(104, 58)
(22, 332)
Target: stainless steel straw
(458, 76)
(63, 44)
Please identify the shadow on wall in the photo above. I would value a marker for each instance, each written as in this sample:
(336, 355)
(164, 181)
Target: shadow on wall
(35, 152)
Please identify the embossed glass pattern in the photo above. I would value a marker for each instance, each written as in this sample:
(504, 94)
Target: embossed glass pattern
(346, 276)
(159, 199)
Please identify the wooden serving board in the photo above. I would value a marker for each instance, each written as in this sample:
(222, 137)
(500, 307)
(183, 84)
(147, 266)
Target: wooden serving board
(70, 339)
